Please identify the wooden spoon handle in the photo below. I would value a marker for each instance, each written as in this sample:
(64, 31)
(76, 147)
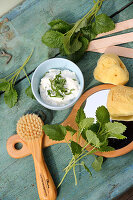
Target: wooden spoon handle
(45, 183)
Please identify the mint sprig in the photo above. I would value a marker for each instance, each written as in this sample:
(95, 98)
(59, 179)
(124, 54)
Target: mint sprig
(73, 39)
(95, 134)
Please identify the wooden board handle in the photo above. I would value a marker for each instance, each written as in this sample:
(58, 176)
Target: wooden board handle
(69, 121)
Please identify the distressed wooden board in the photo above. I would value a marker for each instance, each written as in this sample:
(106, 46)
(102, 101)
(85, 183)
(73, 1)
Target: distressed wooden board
(17, 177)
(29, 22)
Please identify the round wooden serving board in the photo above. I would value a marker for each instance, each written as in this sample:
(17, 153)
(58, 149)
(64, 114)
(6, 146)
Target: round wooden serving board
(23, 152)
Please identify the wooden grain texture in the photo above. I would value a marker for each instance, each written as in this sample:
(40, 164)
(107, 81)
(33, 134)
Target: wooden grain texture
(17, 177)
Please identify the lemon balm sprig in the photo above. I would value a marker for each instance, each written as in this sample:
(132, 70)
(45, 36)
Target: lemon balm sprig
(96, 137)
(7, 84)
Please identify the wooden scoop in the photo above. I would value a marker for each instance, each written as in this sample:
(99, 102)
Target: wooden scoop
(29, 128)
(24, 151)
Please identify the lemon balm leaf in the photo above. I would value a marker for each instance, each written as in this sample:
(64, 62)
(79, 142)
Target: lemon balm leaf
(97, 164)
(10, 97)
(103, 24)
(71, 130)
(86, 168)
(4, 86)
(76, 148)
(115, 128)
(92, 138)
(85, 124)
(52, 39)
(29, 93)
(80, 115)
(102, 115)
(55, 131)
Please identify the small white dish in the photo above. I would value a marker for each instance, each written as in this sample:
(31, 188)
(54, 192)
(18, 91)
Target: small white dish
(55, 63)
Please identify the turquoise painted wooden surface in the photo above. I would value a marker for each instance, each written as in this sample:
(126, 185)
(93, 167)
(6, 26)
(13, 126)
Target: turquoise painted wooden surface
(29, 21)
(17, 177)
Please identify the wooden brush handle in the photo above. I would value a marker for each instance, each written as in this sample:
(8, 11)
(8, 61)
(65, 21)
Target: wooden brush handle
(45, 183)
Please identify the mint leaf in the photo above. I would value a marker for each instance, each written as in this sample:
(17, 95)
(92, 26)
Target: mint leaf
(76, 148)
(56, 21)
(10, 97)
(71, 130)
(76, 45)
(80, 115)
(52, 39)
(89, 32)
(97, 164)
(85, 124)
(63, 28)
(92, 138)
(78, 54)
(80, 24)
(86, 168)
(103, 24)
(55, 131)
(115, 128)
(29, 93)
(102, 115)
(4, 86)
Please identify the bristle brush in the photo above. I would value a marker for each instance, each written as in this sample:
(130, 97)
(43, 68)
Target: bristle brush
(29, 128)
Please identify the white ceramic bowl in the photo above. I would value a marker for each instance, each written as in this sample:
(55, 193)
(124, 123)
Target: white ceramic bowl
(55, 63)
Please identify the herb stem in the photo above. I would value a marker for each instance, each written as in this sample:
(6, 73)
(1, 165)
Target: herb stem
(75, 175)
(26, 76)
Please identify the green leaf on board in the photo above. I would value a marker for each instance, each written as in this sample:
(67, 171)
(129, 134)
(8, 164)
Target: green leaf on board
(102, 115)
(71, 130)
(105, 148)
(85, 124)
(115, 129)
(80, 115)
(92, 138)
(76, 148)
(55, 131)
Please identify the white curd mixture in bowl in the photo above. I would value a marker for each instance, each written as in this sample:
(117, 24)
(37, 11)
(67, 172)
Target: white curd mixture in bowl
(59, 87)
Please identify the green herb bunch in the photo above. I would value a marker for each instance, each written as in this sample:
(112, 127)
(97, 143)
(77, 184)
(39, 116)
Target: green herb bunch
(73, 39)
(58, 88)
(7, 85)
(96, 136)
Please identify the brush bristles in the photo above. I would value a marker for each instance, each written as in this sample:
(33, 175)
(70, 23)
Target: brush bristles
(29, 127)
